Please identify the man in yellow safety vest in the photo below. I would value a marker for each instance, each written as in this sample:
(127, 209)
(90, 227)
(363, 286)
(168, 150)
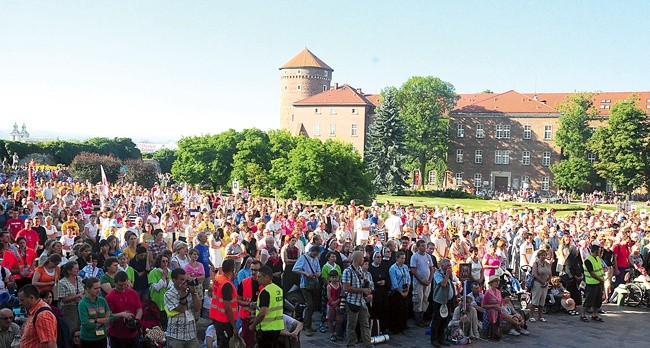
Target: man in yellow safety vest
(595, 279)
(268, 320)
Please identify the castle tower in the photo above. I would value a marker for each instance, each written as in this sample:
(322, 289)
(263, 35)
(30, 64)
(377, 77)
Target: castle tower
(15, 134)
(301, 77)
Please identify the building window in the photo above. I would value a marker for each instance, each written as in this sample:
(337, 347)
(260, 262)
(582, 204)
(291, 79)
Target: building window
(459, 156)
(332, 111)
(292, 117)
(353, 130)
(525, 158)
(478, 180)
(324, 88)
(591, 157)
(332, 129)
(460, 131)
(548, 132)
(501, 157)
(526, 179)
(528, 133)
(480, 131)
(503, 131)
(317, 111)
(317, 129)
(325, 73)
(478, 156)
(609, 187)
(546, 183)
(458, 180)
(355, 111)
(546, 158)
(432, 177)
(298, 87)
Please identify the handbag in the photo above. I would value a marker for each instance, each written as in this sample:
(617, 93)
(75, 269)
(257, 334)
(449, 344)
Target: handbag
(354, 308)
(311, 283)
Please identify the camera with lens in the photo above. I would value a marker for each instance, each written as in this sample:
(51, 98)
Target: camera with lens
(405, 287)
(192, 282)
(131, 323)
(366, 284)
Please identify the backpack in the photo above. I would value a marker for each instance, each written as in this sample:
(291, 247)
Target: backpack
(63, 334)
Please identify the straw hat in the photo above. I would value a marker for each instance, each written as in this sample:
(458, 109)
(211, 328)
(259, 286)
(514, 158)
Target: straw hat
(568, 303)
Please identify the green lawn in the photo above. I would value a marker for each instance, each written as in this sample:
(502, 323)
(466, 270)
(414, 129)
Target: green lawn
(483, 205)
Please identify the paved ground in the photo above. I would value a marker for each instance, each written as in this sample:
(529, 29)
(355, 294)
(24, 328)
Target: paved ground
(623, 327)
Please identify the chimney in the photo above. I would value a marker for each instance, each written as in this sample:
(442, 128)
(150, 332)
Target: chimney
(334, 87)
(359, 91)
(535, 97)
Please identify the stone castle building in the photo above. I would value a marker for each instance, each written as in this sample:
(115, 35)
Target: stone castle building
(311, 106)
(497, 141)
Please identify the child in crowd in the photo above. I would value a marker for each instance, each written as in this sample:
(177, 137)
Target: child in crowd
(334, 291)
(91, 269)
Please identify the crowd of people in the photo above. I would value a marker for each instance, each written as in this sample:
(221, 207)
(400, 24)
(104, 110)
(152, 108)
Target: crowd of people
(116, 268)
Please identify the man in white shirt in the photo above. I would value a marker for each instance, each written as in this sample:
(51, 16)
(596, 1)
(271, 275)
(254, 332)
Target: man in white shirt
(393, 226)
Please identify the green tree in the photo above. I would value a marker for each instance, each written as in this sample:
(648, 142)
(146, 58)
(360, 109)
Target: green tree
(122, 148)
(206, 159)
(194, 159)
(345, 176)
(165, 158)
(386, 147)
(573, 171)
(86, 166)
(254, 147)
(423, 102)
(281, 142)
(622, 146)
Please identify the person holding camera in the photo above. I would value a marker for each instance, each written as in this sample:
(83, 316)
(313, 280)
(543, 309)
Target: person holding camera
(357, 293)
(181, 301)
(124, 333)
(400, 279)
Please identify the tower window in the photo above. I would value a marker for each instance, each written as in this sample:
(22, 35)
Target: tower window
(324, 88)
(325, 73)
(298, 87)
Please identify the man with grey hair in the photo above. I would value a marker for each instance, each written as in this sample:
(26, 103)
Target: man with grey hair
(443, 293)
(8, 329)
(357, 290)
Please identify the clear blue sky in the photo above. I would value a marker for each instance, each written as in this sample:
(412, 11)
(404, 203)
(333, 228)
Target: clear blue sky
(162, 69)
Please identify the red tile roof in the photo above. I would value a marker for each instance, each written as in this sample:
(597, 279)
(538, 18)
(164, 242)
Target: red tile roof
(602, 101)
(509, 102)
(374, 98)
(343, 95)
(515, 102)
(305, 59)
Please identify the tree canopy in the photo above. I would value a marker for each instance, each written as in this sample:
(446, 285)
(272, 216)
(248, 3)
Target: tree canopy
(573, 171)
(622, 146)
(423, 101)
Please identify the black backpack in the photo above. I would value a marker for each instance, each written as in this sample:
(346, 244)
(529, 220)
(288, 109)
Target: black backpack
(63, 334)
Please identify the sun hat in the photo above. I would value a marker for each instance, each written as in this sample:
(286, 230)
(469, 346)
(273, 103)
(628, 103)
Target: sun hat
(568, 303)
(493, 279)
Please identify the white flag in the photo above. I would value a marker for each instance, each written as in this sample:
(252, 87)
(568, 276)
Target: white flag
(104, 188)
